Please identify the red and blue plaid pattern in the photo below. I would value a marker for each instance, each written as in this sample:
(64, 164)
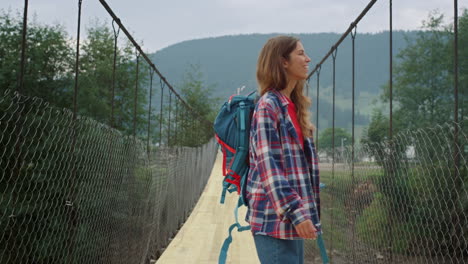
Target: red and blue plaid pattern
(283, 182)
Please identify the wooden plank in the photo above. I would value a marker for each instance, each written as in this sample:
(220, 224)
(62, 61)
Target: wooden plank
(201, 237)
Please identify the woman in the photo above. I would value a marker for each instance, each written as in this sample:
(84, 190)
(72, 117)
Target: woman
(283, 183)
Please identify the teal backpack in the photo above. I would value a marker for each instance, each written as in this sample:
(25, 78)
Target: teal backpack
(232, 130)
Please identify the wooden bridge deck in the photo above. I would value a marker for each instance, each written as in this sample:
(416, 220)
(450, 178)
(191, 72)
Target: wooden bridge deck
(201, 237)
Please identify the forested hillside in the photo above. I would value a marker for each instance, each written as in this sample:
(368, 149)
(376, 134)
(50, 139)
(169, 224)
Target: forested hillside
(229, 62)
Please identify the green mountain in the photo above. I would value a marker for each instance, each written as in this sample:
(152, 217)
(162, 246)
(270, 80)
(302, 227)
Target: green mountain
(229, 62)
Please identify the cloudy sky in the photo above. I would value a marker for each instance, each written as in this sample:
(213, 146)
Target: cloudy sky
(158, 24)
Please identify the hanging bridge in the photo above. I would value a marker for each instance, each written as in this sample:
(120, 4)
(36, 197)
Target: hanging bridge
(143, 185)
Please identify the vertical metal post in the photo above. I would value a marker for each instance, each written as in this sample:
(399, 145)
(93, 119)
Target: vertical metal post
(169, 121)
(455, 69)
(18, 156)
(131, 179)
(116, 35)
(111, 135)
(353, 182)
(184, 125)
(161, 112)
(335, 51)
(176, 120)
(149, 110)
(457, 179)
(23, 47)
(77, 73)
(77, 61)
(390, 132)
(188, 125)
(318, 109)
(71, 199)
(136, 95)
(390, 129)
(192, 128)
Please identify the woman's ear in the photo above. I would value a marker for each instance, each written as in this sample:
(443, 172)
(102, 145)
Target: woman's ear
(284, 62)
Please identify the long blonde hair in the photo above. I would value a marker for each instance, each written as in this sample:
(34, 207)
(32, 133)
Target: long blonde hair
(271, 75)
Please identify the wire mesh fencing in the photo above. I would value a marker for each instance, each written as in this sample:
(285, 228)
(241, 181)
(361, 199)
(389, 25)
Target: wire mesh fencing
(400, 201)
(77, 191)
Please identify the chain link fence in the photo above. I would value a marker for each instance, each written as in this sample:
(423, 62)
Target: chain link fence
(77, 191)
(400, 201)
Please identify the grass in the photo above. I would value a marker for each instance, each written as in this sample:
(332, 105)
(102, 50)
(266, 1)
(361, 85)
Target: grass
(337, 205)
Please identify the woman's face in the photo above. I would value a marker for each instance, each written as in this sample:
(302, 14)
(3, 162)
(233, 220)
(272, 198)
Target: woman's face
(297, 66)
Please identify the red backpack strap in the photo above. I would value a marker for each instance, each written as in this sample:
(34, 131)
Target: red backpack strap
(224, 147)
(235, 179)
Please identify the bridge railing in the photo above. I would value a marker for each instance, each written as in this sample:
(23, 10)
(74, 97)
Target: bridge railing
(77, 190)
(104, 201)
(397, 196)
(399, 201)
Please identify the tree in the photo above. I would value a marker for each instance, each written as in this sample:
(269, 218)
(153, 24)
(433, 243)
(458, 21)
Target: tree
(423, 97)
(325, 138)
(342, 139)
(49, 60)
(34, 139)
(193, 130)
(423, 80)
(96, 65)
(40, 146)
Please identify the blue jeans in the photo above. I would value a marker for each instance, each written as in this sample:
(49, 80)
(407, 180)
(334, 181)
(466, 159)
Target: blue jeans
(272, 250)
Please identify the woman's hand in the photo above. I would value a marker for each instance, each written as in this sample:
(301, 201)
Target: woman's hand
(306, 230)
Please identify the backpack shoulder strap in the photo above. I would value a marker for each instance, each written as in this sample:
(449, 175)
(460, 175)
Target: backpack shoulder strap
(236, 171)
(323, 251)
(243, 137)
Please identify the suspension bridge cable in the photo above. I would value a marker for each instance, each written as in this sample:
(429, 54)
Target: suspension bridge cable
(129, 36)
(353, 24)
(161, 111)
(353, 181)
(457, 180)
(116, 36)
(136, 94)
(317, 112)
(176, 119)
(73, 215)
(334, 53)
(149, 110)
(390, 127)
(169, 121)
(23, 47)
(77, 61)
(455, 79)
(390, 132)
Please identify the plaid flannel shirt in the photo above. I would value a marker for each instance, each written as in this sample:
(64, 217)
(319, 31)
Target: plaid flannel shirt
(283, 182)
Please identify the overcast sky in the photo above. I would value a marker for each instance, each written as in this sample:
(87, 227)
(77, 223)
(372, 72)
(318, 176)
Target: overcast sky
(158, 24)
